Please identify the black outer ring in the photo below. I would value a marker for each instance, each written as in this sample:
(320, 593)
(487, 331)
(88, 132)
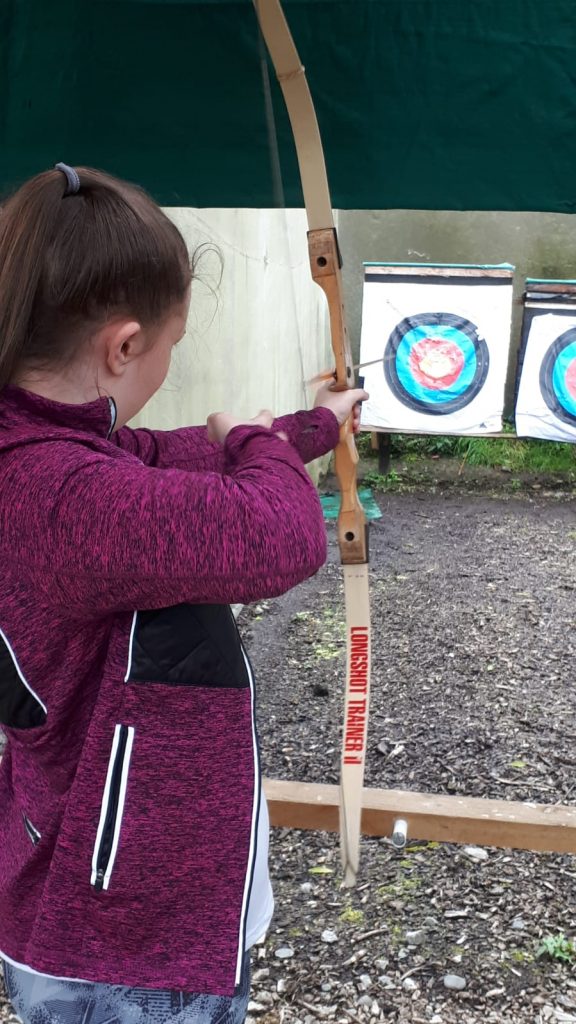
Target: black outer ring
(445, 320)
(546, 372)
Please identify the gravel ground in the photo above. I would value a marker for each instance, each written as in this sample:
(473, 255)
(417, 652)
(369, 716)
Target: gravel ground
(473, 619)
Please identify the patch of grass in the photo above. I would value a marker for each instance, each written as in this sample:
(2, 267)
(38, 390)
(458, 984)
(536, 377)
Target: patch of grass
(325, 633)
(421, 847)
(517, 455)
(326, 652)
(557, 947)
(425, 445)
(401, 887)
(458, 951)
(335, 622)
(379, 482)
(333, 631)
(351, 916)
(411, 883)
(364, 446)
(521, 956)
(528, 456)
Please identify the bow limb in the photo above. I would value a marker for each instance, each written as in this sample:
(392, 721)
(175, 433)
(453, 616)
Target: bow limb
(325, 265)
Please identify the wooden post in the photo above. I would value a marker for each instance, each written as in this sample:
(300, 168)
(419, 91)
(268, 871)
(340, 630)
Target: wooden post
(384, 453)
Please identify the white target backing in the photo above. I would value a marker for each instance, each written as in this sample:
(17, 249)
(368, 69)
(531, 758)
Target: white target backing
(546, 399)
(437, 338)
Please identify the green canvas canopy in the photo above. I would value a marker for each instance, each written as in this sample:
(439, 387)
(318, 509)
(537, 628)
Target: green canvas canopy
(422, 104)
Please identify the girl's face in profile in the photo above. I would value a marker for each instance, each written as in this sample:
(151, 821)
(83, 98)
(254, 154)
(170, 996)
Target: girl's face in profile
(150, 367)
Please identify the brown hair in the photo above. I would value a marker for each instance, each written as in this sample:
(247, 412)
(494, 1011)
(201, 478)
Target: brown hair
(70, 262)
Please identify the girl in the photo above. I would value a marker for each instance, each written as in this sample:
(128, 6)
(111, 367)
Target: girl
(133, 832)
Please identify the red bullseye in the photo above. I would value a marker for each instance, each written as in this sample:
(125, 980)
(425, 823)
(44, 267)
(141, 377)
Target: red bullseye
(436, 363)
(571, 379)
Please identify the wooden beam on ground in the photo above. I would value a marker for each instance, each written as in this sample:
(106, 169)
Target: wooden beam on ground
(446, 819)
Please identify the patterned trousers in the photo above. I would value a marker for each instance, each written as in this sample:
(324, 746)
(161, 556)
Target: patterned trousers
(41, 1000)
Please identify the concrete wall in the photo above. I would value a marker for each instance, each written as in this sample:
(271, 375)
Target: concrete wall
(255, 335)
(537, 244)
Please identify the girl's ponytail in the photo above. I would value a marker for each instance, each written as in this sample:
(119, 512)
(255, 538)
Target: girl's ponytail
(70, 258)
(27, 227)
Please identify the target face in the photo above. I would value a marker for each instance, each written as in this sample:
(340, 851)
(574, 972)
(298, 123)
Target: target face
(436, 363)
(434, 342)
(558, 377)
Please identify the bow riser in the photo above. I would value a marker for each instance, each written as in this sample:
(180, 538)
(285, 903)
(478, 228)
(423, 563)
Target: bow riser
(325, 268)
(325, 263)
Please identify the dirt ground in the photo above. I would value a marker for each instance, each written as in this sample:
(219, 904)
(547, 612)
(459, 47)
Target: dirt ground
(472, 692)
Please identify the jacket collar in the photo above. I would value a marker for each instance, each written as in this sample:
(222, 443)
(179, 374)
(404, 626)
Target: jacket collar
(97, 417)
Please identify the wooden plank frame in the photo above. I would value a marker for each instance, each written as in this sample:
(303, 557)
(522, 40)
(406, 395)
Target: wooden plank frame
(439, 270)
(448, 819)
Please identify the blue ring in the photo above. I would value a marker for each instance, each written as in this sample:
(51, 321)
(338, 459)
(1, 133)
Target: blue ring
(442, 325)
(558, 358)
(444, 333)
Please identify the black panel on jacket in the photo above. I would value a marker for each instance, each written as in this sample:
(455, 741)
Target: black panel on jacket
(188, 645)
(19, 708)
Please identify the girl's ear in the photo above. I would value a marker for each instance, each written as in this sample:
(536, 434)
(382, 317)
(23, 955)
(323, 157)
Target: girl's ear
(121, 341)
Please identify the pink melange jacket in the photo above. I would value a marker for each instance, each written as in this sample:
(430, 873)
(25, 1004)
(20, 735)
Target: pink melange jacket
(130, 784)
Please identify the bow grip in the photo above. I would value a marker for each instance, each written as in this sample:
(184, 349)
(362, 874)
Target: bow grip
(352, 526)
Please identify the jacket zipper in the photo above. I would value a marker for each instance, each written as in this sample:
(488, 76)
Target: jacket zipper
(112, 807)
(254, 824)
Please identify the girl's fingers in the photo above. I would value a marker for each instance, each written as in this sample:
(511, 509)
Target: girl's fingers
(219, 424)
(342, 403)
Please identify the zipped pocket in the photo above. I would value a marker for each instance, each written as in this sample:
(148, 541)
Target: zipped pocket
(108, 835)
(33, 833)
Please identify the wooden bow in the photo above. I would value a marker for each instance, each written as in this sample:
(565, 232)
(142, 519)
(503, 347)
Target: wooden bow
(325, 264)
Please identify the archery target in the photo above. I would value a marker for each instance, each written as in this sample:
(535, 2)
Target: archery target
(546, 403)
(438, 345)
(436, 363)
